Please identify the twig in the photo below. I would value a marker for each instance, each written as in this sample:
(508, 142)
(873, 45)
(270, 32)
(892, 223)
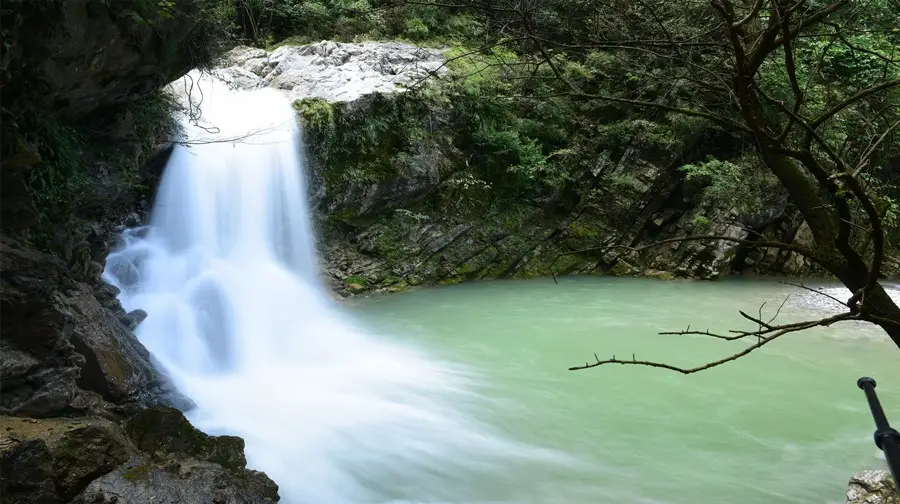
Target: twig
(775, 333)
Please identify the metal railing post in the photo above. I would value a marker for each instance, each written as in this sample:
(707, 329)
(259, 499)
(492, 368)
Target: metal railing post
(887, 439)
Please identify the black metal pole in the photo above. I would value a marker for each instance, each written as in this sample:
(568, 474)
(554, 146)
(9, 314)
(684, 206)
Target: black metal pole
(887, 439)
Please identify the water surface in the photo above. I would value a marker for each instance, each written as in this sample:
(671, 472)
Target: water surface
(785, 424)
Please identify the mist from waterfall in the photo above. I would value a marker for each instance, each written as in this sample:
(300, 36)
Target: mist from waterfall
(237, 316)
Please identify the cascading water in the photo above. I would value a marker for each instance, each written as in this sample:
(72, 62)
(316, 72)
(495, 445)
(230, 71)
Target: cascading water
(226, 271)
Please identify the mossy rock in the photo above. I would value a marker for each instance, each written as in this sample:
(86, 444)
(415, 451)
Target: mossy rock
(166, 430)
(659, 275)
(51, 460)
(622, 268)
(146, 480)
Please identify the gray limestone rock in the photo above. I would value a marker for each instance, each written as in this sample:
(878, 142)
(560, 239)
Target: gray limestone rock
(872, 487)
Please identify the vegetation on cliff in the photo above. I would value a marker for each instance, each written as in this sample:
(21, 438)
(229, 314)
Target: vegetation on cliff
(764, 114)
(81, 110)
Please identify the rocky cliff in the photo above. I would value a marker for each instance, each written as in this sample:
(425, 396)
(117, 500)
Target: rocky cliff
(406, 195)
(84, 135)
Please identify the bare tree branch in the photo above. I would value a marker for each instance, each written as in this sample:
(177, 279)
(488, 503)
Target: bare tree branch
(764, 337)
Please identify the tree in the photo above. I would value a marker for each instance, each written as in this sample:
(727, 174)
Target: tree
(812, 86)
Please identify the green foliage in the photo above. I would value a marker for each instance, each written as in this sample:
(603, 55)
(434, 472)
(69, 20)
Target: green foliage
(58, 182)
(739, 184)
(317, 114)
(356, 280)
(64, 182)
(506, 125)
(416, 29)
(274, 22)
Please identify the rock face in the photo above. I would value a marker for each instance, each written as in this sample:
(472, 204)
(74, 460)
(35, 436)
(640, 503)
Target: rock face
(66, 346)
(85, 56)
(143, 481)
(331, 71)
(52, 460)
(157, 457)
(872, 487)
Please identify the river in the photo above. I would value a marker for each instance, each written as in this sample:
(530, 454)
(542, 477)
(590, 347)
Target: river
(785, 424)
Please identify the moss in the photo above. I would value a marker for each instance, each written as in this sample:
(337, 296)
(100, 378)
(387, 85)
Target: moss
(465, 269)
(659, 275)
(317, 114)
(138, 472)
(581, 229)
(621, 268)
(167, 430)
(400, 286)
(356, 279)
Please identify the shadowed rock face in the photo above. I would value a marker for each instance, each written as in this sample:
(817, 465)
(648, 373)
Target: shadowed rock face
(156, 457)
(66, 346)
(84, 56)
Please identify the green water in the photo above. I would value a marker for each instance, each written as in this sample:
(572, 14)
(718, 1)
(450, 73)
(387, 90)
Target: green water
(786, 424)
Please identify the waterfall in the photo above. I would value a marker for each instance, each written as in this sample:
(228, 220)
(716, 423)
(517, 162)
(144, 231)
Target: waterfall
(226, 271)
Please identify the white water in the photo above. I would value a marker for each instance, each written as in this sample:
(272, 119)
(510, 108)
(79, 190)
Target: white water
(226, 271)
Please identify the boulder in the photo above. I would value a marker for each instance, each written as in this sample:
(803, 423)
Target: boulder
(337, 72)
(872, 487)
(52, 460)
(143, 480)
(157, 457)
(180, 464)
(166, 430)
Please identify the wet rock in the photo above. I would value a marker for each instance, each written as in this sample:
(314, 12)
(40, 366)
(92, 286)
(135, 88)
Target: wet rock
(62, 337)
(134, 319)
(143, 480)
(179, 464)
(52, 460)
(116, 365)
(167, 430)
(872, 487)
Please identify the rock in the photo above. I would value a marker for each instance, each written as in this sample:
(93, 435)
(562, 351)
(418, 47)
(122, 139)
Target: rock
(158, 457)
(143, 480)
(26, 472)
(134, 318)
(39, 364)
(336, 72)
(83, 57)
(51, 461)
(62, 337)
(659, 275)
(180, 464)
(167, 430)
(116, 365)
(872, 487)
